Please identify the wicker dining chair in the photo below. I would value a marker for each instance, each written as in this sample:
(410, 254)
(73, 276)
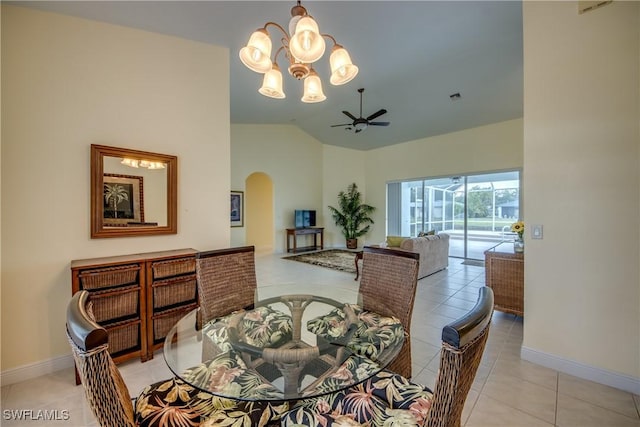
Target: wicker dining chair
(391, 399)
(388, 287)
(226, 281)
(167, 403)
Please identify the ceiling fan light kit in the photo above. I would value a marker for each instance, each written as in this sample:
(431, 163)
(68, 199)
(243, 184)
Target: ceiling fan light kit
(360, 123)
(302, 45)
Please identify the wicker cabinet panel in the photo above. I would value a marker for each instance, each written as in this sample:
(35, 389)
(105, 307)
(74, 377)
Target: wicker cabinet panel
(504, 273)
(97, 278)
(176, 290)
(120, 303)
(173, 267)
(129, 291)
(123, 336)
(164, 321)
(172, 293)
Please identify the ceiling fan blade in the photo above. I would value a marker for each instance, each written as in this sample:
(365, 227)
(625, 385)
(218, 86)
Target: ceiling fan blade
(379, 123)
(344, 124)
(348, 114)
(377, 114)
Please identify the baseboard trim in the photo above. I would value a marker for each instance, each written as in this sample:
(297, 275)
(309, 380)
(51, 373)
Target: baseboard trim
(34, 370)
(571, 367)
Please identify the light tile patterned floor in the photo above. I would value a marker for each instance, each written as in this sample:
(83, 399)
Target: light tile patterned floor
(507, 391)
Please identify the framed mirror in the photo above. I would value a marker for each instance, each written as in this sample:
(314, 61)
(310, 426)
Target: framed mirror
(133, 193)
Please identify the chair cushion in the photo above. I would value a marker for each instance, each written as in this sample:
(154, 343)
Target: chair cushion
(354, 369)
(302, 416)
(261, 327)
(399, 393)
(232, 378)
(386, 399)
(374, 332)
(175, 403)
(167, 403)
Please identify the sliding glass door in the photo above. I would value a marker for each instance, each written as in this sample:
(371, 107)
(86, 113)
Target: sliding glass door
(476, 210)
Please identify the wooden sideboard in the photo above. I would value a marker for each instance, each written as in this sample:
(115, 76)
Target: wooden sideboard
(138, 298)
(504, 273)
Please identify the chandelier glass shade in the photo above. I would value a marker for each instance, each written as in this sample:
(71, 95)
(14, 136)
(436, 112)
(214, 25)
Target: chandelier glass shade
(313, 88)
(342, 69)
(302, 48)
(256, 54)
(272, 83)
(135, 163)
(307, 45)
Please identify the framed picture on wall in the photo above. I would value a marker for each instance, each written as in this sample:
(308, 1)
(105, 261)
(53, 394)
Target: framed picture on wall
(122, 197)
(237, 209)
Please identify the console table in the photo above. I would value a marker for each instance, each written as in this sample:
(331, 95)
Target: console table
(295, 232)
(504, 273)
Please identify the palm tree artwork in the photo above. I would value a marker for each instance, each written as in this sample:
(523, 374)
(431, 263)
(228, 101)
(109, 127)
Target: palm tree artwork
(114, 194)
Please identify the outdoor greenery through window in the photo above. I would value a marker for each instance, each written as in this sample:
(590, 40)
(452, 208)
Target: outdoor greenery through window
(476, 210)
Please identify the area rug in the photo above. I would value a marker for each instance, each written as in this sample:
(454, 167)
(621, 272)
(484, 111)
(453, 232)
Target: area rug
(335, 259)
(474, 262)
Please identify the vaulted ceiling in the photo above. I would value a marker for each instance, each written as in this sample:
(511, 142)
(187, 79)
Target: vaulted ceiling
(412, 56)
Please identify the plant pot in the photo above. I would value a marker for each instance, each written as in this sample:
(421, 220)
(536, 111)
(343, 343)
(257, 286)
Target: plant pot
(352, 243)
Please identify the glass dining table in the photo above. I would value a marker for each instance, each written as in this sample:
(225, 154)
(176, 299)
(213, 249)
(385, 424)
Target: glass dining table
(289, 345)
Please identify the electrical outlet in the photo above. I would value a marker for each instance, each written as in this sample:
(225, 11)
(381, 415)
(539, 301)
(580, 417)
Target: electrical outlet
(536, 231)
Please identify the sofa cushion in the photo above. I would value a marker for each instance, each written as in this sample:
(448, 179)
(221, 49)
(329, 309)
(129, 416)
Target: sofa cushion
(433, 250)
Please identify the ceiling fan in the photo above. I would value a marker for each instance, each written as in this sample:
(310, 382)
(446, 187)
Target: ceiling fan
(360, 123)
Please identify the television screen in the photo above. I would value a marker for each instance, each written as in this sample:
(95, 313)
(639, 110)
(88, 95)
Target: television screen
(305, 218)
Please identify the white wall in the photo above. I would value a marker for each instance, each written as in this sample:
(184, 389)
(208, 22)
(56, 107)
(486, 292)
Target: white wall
(341, 167)
(293, 160)
(310, 174)
(581, 152)
(68, 83)
(486, 148)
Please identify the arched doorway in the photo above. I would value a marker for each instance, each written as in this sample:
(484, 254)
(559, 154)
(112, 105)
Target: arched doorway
(259, 211)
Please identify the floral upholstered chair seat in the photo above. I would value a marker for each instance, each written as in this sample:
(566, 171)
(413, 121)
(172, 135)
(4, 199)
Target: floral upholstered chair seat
(174, 402)
(386, 399)
(373, 333)
(261, 327)
(353, 370)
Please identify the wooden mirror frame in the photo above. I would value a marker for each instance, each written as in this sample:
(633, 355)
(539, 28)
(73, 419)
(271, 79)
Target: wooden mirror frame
(98, 153)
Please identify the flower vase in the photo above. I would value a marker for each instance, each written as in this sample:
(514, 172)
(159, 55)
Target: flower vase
(518, 245)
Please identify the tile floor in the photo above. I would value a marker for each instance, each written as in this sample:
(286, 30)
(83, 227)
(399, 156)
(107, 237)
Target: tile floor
(507, 391)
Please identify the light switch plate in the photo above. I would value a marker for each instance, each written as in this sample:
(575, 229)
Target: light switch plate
(536, 231)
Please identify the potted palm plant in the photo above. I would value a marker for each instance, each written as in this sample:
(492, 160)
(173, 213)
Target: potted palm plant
(351, 215)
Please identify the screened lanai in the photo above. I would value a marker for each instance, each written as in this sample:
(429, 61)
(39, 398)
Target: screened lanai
(476, 210)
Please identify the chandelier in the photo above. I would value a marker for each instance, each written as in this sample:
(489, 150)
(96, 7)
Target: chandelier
(302, 48)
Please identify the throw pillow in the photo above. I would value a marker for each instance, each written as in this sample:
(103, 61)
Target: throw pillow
(395, 241)
(427, 233)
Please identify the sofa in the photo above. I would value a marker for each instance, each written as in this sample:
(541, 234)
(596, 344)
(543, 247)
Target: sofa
(433, 250)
